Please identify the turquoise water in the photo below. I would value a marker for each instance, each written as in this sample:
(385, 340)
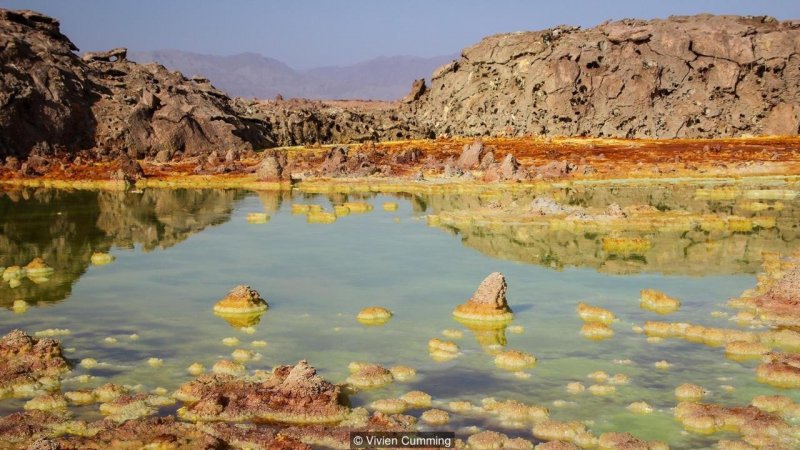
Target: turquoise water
(178, 252)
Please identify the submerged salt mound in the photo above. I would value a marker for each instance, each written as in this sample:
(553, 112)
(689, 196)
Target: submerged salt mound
(293, 394)
(369, 376)
(488, 303)
(29, 365)
(242, 300)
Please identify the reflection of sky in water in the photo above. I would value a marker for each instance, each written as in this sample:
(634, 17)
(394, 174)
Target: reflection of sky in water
(317, 277)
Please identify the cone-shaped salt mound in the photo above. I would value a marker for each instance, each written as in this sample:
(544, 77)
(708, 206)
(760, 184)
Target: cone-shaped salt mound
(241, 300)
(488, 303)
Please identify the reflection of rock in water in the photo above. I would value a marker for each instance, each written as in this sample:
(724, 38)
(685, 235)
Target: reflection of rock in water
(66, 227)
(491, 337)
(161, 218)
(695, 251)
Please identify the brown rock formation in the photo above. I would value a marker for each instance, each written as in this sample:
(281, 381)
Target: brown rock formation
(271, 168)
(697, 76)
(293, 394)
(54, 101)
(144, 109)
(45, 90)
(40, 430)
(781, 304)
(309, 122)
(471, 155)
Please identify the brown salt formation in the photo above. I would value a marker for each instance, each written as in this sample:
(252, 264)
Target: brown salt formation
(127, 407)
(780, 305)
(573, 432)
(29, 365)
(488, 303)
(556, 445)
(24, 427)
(486, 440)
(293, 394)
(252, 436)
(780, 369)
(359, 420)
(151, 432)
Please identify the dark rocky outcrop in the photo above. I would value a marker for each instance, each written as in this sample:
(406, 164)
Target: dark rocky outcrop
(144, 109)
(53, 101)
(694, 77)
(308, 122)
(45, 90)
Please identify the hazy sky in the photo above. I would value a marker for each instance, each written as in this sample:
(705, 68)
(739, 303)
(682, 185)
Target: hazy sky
(310, 33)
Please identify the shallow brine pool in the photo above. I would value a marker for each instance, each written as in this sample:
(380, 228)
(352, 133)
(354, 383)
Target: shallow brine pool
(179, 251)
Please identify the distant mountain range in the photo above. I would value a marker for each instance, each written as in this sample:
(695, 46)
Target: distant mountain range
(255, 75)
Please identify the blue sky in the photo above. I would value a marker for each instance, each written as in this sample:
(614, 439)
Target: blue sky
(310, 33)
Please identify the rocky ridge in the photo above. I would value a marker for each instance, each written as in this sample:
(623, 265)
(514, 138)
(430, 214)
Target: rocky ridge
(686, 77)
(683, 77)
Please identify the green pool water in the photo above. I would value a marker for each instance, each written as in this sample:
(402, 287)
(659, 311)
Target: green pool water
(179, 251)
